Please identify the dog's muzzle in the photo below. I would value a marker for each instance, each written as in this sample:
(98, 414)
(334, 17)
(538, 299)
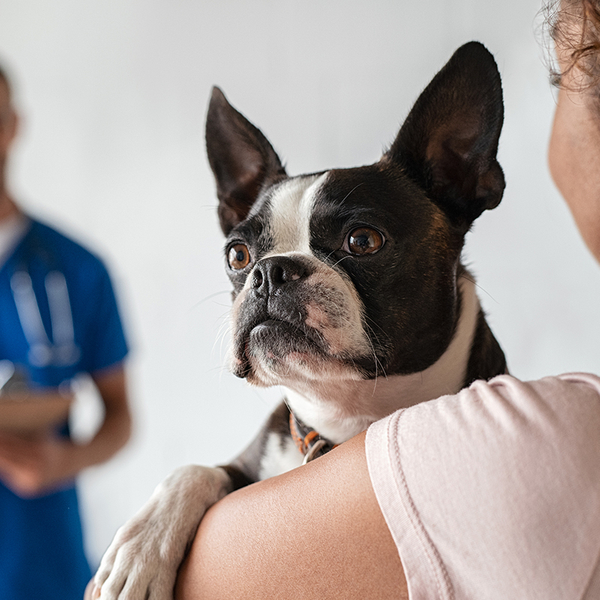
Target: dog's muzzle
(271, 318)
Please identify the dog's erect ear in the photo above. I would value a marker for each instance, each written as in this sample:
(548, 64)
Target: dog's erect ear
(241, 158)
(449, 141)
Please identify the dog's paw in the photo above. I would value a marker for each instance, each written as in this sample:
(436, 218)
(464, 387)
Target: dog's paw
(142, 560)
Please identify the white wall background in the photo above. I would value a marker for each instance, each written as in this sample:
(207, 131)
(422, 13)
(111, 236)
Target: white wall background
(113, 95)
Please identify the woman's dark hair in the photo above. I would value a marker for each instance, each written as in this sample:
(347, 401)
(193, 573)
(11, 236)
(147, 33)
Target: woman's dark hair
(575, 26)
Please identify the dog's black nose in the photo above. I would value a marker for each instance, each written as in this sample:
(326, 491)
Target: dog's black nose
(272, 273)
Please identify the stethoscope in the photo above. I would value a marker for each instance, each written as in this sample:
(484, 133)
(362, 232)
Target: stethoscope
(62, 351)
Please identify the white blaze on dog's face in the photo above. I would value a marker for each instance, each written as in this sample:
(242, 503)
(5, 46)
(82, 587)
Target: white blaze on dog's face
(294, 316)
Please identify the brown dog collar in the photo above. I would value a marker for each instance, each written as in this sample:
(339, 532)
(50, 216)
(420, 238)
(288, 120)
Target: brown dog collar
(307, 440)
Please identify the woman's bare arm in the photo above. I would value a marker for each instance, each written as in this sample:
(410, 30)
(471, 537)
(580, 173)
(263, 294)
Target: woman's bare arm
(315, 532)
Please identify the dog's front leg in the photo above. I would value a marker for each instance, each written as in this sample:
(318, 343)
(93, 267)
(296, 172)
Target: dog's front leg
(142, 560)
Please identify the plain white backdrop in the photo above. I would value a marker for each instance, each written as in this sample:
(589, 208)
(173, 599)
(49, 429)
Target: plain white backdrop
(113, 95)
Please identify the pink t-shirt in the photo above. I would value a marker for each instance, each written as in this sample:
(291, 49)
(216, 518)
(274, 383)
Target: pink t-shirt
(494, 493)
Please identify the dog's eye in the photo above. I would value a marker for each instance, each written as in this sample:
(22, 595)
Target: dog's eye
(238, 256)
(363, 240)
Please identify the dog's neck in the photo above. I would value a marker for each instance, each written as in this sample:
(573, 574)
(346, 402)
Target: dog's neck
(340, 409)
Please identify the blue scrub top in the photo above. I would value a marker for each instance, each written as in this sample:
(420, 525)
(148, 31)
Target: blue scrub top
(41, 544)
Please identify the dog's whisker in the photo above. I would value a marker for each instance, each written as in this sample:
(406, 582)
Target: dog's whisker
(377, 362)
(352, 190)
(209, 297)
(485, 292)
(339, 261)
(223, 332)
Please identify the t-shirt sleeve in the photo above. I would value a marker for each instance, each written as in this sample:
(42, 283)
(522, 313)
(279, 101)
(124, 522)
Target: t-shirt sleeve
(494, 493)
(104, 344)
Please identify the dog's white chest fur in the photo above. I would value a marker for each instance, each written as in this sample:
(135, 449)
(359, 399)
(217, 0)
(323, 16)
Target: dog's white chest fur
(280, 456)
(343, 409)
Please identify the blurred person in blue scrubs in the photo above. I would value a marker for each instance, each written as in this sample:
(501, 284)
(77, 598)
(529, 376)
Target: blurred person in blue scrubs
(58, 319)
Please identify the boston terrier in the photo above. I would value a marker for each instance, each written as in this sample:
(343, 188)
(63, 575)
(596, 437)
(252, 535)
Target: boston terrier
(348, 290)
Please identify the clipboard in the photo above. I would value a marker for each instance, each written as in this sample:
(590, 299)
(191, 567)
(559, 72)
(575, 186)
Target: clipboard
(28, 413)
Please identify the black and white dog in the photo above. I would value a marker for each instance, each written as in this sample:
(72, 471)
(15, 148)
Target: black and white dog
(348, 290)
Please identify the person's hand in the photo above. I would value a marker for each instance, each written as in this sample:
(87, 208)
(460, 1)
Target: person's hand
(33, 465)
(36, 464)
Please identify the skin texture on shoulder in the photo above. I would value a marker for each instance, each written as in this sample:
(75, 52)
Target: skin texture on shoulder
(314, 532)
